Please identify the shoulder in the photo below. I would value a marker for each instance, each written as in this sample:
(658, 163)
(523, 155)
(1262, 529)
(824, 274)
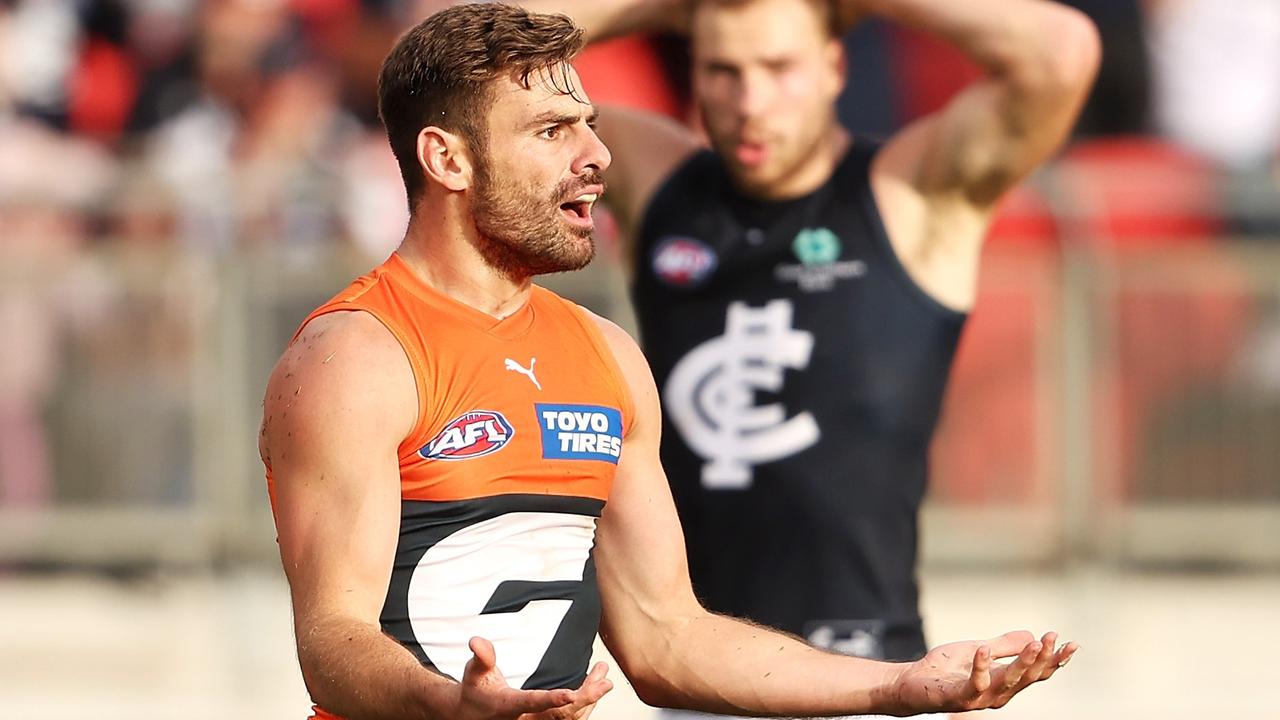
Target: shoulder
(631, 361)
(343, 369)
(343, 342)
(624, 347)
(635, 372)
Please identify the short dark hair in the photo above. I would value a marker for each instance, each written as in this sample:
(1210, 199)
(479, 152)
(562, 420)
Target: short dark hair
(439, 73)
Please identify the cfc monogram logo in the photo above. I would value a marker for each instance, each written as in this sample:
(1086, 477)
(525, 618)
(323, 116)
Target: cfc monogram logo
(711, 394)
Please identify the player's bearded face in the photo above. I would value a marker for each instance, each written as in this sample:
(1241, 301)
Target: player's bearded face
(521, 222)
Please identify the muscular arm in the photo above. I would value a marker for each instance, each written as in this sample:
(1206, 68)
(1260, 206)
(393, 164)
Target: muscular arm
(938, 179)
(1040, 59)
(338, 405)
(677, 654)
(605, 19)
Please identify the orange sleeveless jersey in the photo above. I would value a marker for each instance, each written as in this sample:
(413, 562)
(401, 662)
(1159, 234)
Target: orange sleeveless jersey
(502, 478)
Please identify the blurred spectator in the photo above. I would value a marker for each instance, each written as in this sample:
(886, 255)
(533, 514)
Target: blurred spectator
(37, 55)
(44, 224)
(1218, 77)
(373, 206)
(1217, 68)
(256, 158)
(127, 433)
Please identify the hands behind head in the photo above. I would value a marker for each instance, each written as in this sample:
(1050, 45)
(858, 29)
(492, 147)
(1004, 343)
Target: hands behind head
(961, 676)
(485, 695)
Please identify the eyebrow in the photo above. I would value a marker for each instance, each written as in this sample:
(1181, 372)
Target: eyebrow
(554, 117)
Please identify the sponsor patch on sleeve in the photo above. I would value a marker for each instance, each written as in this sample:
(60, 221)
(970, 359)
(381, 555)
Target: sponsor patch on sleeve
(580, 432)
(472, 434)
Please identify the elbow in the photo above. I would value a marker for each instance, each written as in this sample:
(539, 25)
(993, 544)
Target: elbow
(1077, 50)
(1068, 51)
(317, 689)
(1057, 51)
(645, 677)
(643, 661)
(653, 690)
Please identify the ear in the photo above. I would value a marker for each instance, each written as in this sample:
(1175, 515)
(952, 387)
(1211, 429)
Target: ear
(838, 61)
(444, 158)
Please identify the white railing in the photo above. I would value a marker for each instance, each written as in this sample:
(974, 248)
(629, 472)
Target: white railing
(1107, 405)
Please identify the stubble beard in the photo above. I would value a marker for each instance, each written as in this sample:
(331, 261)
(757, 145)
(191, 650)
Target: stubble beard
(790, 157)
(520, 232)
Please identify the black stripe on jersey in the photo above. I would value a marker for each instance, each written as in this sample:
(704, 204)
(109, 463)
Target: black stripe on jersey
(423, 524)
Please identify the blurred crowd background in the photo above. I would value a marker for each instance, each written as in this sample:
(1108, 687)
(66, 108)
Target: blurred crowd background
(182, 180)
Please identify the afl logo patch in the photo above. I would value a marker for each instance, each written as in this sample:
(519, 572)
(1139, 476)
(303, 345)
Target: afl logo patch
(683, 261)
(479, 432)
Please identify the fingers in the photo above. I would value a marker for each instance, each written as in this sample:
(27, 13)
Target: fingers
(597, 673)
(1010, 643)
(980, 674)
(583, 701)
(1035, 662)
(1045, 661)
(483, 661)
(1014, 671)
(539, 703)
(1060, 659)
(595, 686)
(486, 687)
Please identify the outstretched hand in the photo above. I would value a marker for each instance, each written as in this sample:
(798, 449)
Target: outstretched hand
(485, 694)
(962, 676)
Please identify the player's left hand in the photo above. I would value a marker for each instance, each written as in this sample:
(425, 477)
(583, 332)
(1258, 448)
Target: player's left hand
(592, 689)
(962, 676)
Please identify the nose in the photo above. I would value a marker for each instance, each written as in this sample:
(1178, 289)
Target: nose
(593, 154)
(753, 94)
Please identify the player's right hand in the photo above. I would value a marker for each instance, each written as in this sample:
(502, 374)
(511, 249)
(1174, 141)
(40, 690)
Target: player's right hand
(485, 695)
(961, 676)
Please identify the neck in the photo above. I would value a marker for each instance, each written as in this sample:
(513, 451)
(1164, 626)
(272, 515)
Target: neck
(440, 248)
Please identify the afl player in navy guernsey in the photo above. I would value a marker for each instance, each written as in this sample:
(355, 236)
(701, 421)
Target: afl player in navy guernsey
(464, 468)
(801, 292)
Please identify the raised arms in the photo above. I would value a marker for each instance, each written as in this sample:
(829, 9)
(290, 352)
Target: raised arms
(1040, 59)
(605, 19)
(938, 179)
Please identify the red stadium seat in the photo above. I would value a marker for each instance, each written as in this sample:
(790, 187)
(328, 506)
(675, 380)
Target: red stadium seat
(1176, 314)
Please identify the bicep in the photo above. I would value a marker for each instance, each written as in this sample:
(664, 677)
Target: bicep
(996, 131)
(332, 430)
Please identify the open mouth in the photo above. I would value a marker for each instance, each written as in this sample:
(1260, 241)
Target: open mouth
(578, 210)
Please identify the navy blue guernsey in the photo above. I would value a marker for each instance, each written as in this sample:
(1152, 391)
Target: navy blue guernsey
(801, 371)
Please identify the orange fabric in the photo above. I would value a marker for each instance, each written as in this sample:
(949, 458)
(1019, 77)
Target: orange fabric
(459, 358)
(458, 355)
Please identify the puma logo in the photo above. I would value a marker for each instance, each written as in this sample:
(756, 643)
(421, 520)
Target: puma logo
(513, 365)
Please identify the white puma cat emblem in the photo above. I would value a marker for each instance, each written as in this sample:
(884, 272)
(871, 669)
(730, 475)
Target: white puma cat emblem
(513, 365)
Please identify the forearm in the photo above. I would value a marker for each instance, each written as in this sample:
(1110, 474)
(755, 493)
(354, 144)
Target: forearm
(718, 664)
(1016, 39)
(605, 19)
(353, 670)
